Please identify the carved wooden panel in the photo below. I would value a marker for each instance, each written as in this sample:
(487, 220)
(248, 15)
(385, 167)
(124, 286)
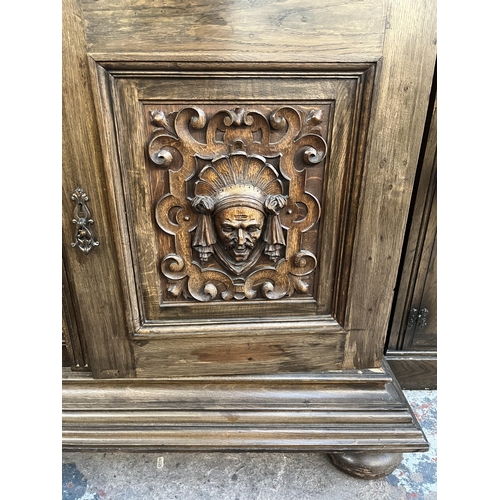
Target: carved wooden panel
(238, 195)
(235, 195)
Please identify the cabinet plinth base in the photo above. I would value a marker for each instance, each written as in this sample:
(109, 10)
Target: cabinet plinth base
(366, 465)
(338, 412)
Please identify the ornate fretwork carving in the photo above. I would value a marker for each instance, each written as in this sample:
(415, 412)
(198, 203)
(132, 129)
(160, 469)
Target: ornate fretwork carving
(237, 206)
(84, 238)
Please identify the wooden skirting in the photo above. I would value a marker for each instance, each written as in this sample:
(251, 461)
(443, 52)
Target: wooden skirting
(361, 410)
(414, 370)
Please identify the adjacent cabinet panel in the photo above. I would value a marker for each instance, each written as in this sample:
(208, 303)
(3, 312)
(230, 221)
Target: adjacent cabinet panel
(412, 340)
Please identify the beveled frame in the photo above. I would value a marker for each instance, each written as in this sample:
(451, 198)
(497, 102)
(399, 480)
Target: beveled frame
(349, 89)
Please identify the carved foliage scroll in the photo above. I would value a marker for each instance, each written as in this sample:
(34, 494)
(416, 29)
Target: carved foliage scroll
(236, 202)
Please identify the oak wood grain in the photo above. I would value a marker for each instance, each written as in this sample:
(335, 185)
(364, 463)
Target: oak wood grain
(74, 343)
(368, 218)
(100, 313)
(235, 30)
(326, 386)
(418, 268)
(239, 355)
(403, 85)
(345, 410)
(417, 287)
(414, 370)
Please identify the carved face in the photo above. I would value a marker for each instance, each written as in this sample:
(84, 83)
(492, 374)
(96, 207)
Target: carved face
(239, 228)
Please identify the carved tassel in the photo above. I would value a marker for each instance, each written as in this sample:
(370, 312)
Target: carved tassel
(273, 234)
(204, 236)
(274, 238)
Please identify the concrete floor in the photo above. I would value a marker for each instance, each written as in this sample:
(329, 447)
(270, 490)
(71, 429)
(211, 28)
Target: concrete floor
(249, 476)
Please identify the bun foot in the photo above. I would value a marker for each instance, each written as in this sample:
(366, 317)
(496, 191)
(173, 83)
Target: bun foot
(366, 465)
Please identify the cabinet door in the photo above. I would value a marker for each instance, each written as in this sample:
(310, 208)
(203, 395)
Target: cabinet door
(412, 342)
(246, 172)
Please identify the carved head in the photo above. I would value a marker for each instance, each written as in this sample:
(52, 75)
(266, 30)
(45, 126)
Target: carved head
(238, 229)
(239, 192)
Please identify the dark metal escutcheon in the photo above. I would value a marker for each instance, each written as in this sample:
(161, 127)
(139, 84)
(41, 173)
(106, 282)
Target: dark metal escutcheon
(84, 237)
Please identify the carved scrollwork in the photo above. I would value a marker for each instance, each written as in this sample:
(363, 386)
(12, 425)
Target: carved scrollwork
(237, 204)
(84, 237)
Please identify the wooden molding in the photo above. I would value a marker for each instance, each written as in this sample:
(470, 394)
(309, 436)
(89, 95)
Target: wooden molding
(414, 370)
(362, 410)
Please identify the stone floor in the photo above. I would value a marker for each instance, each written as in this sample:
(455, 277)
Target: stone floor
(249, 476)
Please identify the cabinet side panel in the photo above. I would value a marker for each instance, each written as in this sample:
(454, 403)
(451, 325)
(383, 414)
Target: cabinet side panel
(418, 250)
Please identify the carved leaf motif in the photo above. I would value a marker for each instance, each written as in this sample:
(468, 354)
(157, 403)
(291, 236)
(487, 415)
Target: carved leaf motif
(298, 284)
(178, 288)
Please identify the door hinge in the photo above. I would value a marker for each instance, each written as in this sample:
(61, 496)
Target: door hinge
(421, 321)
(417, 317)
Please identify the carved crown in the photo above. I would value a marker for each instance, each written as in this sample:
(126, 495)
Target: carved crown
(238, 179)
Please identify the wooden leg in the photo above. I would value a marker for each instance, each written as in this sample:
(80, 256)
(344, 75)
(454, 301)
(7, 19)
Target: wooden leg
(366, 465)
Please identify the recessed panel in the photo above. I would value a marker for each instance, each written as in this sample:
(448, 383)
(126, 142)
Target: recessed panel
(235, 190)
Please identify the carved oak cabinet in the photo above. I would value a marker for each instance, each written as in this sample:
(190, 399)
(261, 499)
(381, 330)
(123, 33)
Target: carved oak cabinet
(237, 177)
